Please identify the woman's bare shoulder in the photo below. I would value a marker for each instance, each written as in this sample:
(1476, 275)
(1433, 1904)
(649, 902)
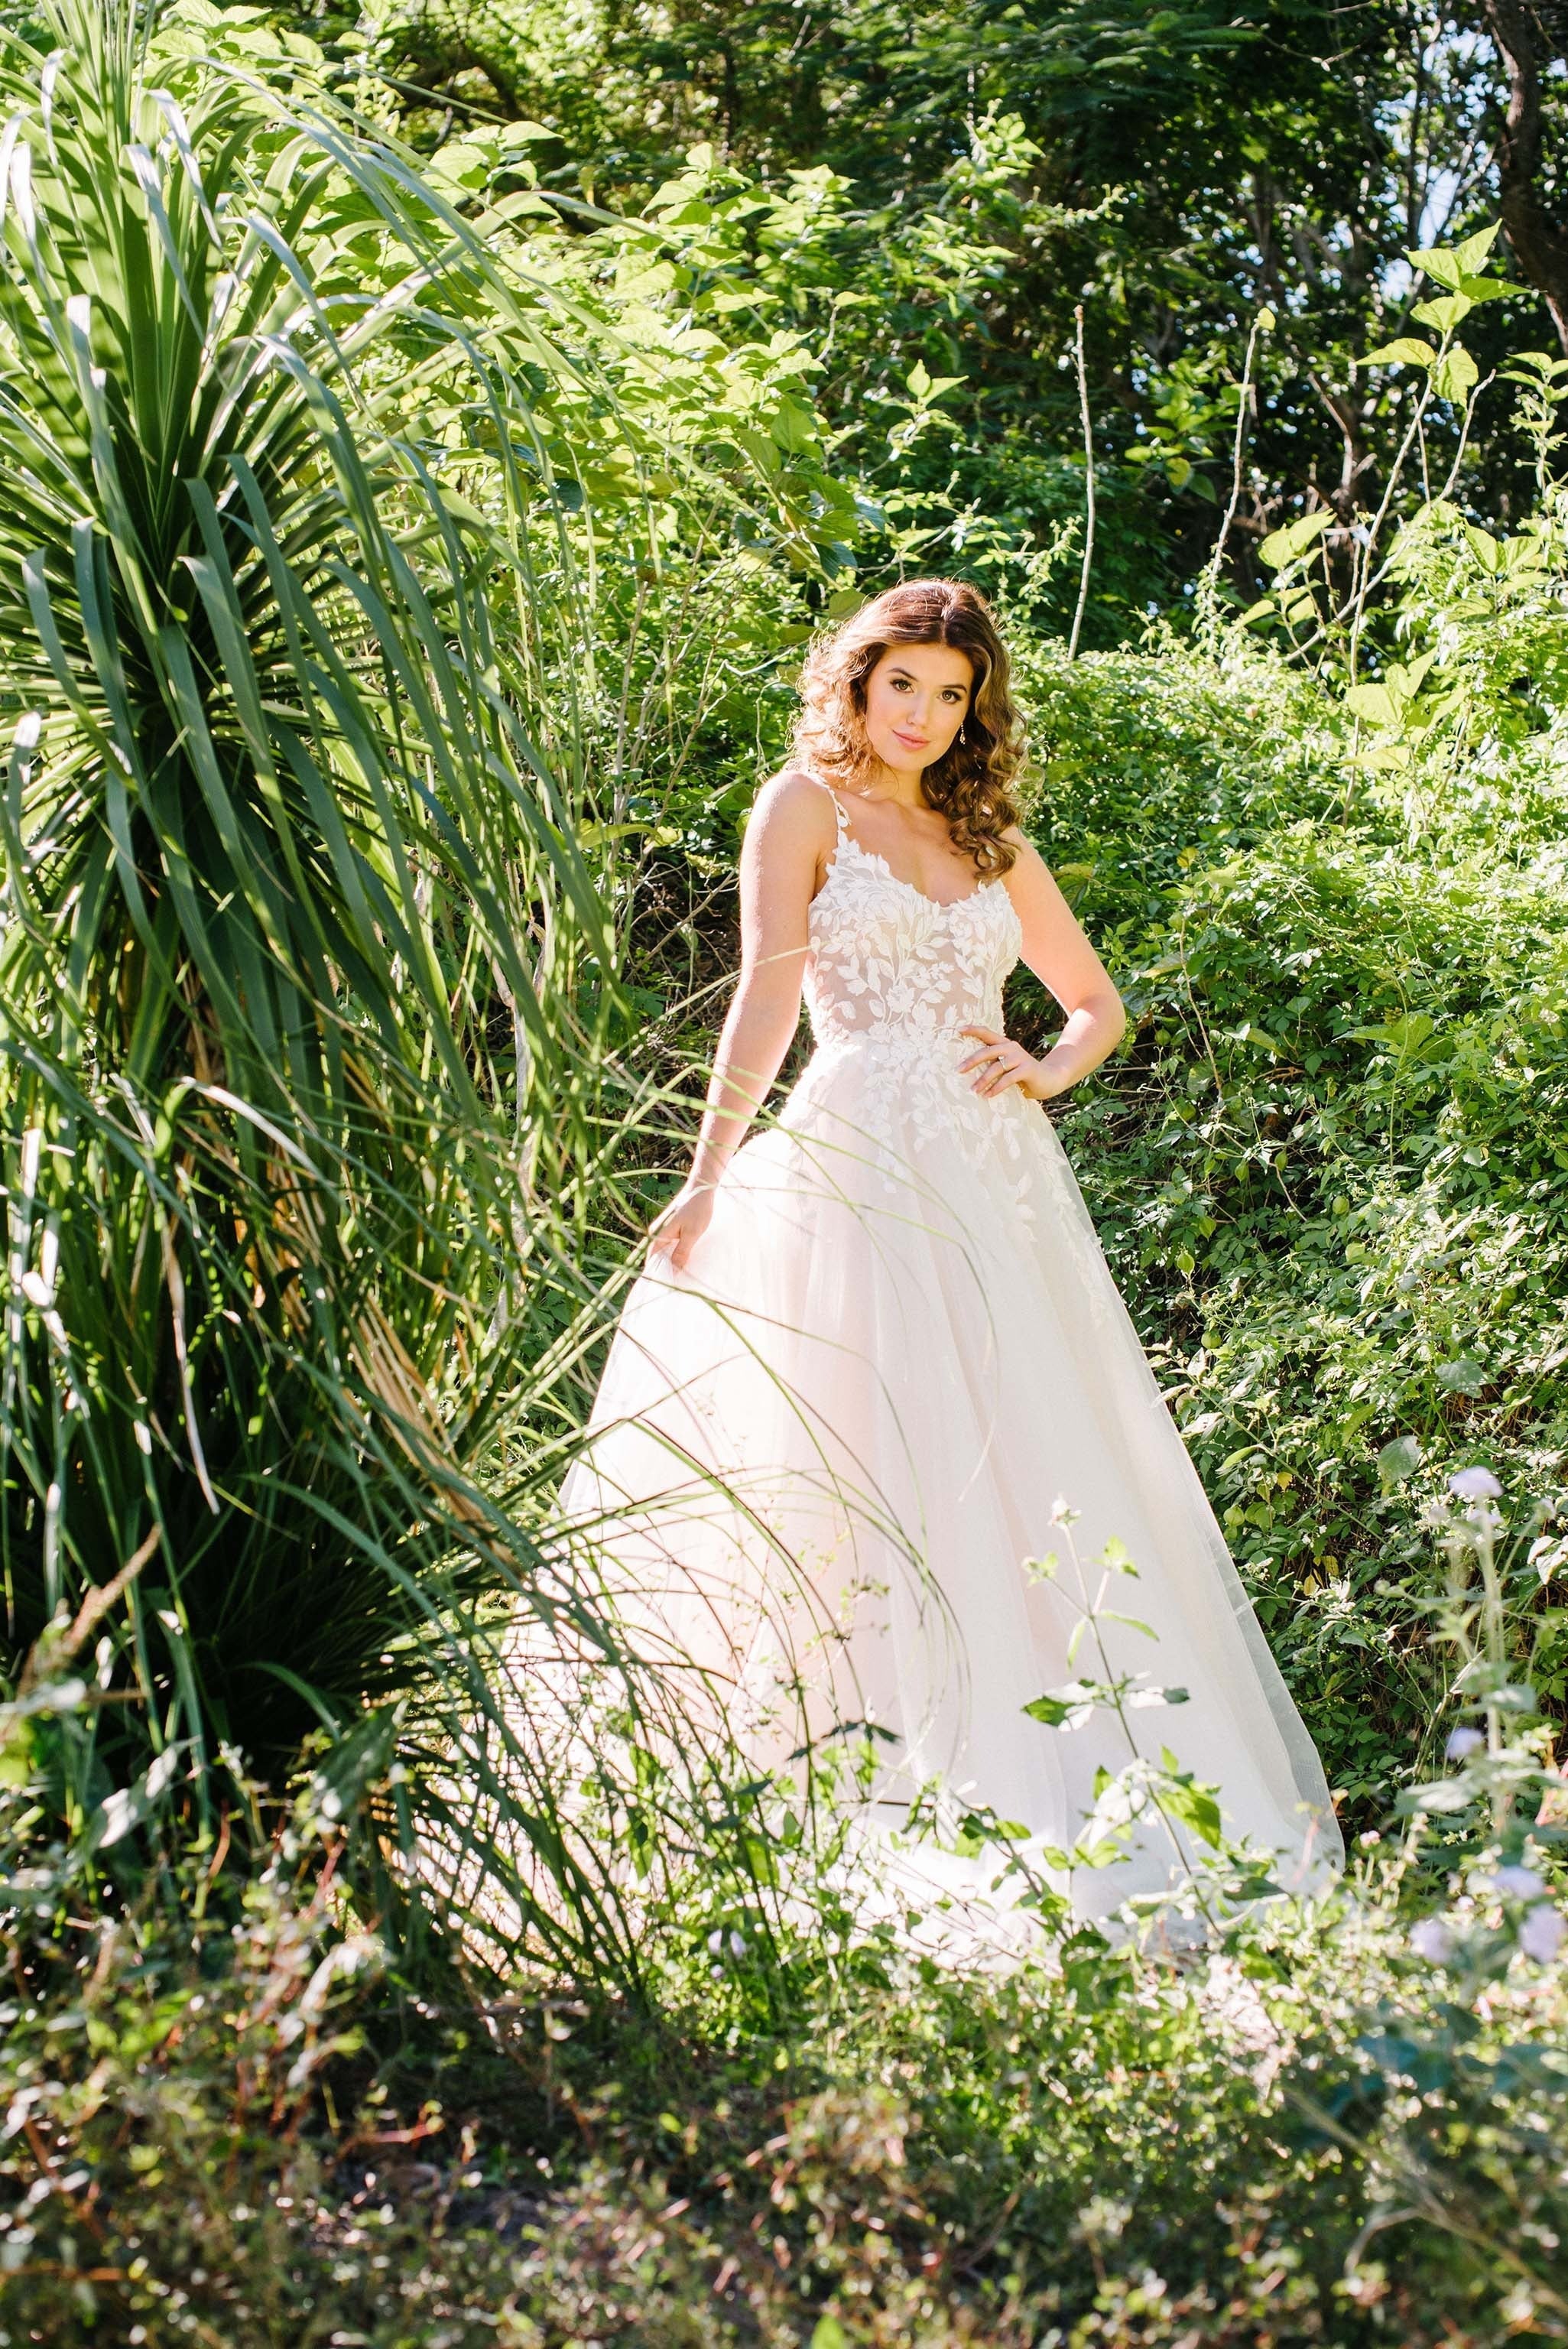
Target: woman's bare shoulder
(794, 803)
(1038, 895)
(1027, 856)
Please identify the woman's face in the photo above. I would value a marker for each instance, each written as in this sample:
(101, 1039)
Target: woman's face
(917, 697)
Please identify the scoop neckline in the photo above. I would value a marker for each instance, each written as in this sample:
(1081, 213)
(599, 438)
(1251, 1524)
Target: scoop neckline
(937, 905)
(875, 856)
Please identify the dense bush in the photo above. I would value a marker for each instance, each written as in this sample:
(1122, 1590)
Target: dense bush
(218, 2131)
(1330, 1166)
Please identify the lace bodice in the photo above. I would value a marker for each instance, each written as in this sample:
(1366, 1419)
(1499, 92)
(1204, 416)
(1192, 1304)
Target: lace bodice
(886, 960)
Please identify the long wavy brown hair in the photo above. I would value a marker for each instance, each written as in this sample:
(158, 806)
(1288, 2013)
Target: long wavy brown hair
(971, 783)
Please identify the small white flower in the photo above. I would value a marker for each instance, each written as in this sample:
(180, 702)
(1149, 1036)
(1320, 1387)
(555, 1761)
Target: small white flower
(1519, 1883)
(1463, 1743)
(715, 1942)
(1431, 1940)
(738, 1945)
(1541, 1934)
(1474, 1485)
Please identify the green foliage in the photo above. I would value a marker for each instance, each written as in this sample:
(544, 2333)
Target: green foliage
(972, 171)
(349, 565)
(1329, 1167)
(215, 2131)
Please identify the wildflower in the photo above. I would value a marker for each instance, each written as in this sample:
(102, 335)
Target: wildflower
(1462, 1743)
(1474, 1485)
(1519, 1883)
(1541, 1934)
(1430, 1939)
(738, 1945)
(1103, 2220)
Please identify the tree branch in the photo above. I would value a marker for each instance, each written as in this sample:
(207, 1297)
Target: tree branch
(1540, 244)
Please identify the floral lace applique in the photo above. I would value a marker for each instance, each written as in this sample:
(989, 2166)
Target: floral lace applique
(893, 977)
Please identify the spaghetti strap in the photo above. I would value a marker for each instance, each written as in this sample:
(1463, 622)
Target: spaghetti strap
(841, 817)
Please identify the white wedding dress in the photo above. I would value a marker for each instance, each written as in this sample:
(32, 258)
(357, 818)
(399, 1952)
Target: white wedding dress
(821, 1455)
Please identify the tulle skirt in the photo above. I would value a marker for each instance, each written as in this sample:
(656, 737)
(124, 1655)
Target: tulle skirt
(863, 1461)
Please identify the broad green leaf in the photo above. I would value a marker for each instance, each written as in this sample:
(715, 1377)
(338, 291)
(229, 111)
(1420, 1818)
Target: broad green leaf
(1399, 1460)
(1404, 1035)
(1373, 702)
(1056, 1712)
(794, 427)
(1445, 311)
(1520, 555)
(1289, 546)
(1487, 550)
(1404, 351)
(1406, 678)
(1455, 374)
(1471, 251)
(1440, 262)
(1196, 1808)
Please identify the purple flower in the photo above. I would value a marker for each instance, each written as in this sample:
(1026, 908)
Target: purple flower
(1462, 1743)
(1430, 1939)
(1474, 1485)
(1519, 1883)
(1541, 1934)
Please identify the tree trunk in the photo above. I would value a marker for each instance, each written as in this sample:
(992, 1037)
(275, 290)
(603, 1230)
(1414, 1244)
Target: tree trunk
(1527, 37)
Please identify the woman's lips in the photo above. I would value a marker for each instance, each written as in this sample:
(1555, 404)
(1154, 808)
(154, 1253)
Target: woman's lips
(910, 741)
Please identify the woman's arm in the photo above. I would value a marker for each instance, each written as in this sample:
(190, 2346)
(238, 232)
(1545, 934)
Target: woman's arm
(1063, 960)
(787, 840)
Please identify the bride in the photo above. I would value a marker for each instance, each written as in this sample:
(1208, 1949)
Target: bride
(875, 1404)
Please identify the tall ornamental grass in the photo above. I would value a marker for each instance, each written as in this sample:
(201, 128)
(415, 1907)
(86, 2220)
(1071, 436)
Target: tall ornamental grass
(323, 524)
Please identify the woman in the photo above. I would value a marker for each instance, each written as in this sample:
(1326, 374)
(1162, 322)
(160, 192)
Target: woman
(877, 1349)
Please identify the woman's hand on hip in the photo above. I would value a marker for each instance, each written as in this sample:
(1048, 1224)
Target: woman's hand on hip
(677, 1231)
(1000, 1063)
